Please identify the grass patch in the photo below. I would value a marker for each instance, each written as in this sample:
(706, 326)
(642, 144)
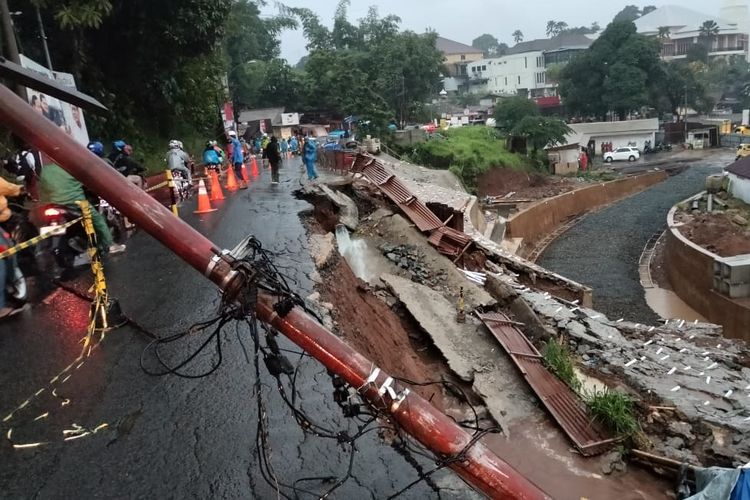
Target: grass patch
(614, 410)
(559, 360)
(468, 152)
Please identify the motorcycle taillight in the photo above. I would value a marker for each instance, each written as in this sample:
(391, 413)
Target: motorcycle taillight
(52, 213)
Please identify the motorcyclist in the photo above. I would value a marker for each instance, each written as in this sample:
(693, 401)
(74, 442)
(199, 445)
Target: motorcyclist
(219, 152)
(58, 187)
(210, 157)
(122, 161)
(178, 159)
(8, 264)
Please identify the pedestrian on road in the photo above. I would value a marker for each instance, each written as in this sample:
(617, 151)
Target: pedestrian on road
(274, 158)
(237, 157)
(310, 151)
(284, 147)
(294, 146)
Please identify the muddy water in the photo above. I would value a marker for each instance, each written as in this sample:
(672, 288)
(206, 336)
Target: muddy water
(541, 452)
(668, 305)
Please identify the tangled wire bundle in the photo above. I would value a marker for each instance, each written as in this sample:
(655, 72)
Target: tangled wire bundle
(368, 417)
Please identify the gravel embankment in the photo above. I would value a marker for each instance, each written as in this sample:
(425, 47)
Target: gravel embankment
(602, 250)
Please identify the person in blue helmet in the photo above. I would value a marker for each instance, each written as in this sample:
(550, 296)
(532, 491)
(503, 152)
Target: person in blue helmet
(122, 160)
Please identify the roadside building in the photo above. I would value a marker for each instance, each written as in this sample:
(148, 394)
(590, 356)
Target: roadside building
(456, 57)
(523, 70)
(739, 179)
(563, 158)
(632, 133)
(679, 29)
(271, 121)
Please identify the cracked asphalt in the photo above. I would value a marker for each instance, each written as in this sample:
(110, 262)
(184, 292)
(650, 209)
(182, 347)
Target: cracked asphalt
(168, 437)
(602, 250)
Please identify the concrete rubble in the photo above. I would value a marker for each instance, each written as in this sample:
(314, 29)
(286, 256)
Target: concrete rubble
(694, 379)
(471, 352)
(688, 366)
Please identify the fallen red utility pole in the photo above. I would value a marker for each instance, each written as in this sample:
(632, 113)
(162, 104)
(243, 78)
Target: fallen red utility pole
(479, 466)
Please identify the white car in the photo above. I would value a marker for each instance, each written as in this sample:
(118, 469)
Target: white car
(622, 154)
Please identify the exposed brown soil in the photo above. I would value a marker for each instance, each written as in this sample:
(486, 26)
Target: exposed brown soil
(718, 234)
(524, 185)
(390, 340)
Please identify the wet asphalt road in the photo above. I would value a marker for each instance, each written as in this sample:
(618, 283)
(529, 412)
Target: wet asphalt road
(602, 250)
(169, 437)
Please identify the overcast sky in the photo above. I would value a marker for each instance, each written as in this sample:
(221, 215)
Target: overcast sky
(464, 20)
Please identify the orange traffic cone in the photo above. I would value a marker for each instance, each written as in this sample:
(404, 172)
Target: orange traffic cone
(245, 177)
(204, 205)
(231, 180)
(216, 194)
(255, 168)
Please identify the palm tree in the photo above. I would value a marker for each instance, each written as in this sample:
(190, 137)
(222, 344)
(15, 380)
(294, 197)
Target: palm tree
(551, 27)
(664, 33)
(708, 31)
(517, 36)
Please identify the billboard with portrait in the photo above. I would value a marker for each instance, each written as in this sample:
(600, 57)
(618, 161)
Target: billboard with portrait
(65, 115)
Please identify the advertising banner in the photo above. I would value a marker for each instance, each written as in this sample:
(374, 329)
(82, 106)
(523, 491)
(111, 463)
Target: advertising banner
(66, 116)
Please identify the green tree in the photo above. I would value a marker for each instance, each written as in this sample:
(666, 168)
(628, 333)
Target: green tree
(628, 14)
(582, 30)
(487, 43)
(664, 33)
(708, 32)
(555, 28)
(553, 72)
(517, 36)
(371, 69)
(510, 111)
(616, 73)
(540, 131)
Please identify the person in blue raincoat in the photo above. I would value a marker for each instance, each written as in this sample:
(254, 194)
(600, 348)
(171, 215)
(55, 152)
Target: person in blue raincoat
(310, 156)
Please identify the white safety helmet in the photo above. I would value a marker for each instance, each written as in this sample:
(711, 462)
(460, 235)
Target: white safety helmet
(232, 133)
(175, 144)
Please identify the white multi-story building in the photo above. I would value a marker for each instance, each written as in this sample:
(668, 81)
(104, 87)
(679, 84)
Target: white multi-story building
(679, 29)
(522, 71)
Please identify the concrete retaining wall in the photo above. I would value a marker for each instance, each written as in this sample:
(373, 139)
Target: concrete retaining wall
(689, 268)
(537, 221)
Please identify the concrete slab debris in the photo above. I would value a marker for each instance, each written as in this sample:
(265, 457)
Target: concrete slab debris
(348, 211)
(322, 249)
(469, 350)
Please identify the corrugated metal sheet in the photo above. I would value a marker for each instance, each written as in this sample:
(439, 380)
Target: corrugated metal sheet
(417, 211)
(560, 400)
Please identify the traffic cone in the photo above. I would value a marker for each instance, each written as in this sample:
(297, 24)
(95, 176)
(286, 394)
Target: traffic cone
(245, 177)
(231, 180)
(204, 205)
(255, 168)
(216, 193)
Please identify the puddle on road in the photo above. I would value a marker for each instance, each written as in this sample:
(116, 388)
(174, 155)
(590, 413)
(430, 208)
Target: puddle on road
(539, 451)
(668, 305)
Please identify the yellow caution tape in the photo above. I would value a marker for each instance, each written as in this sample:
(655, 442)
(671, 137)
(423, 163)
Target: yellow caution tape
(158, 186)
(34, 241)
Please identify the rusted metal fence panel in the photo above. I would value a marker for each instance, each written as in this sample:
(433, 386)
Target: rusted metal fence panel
(561, 401)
